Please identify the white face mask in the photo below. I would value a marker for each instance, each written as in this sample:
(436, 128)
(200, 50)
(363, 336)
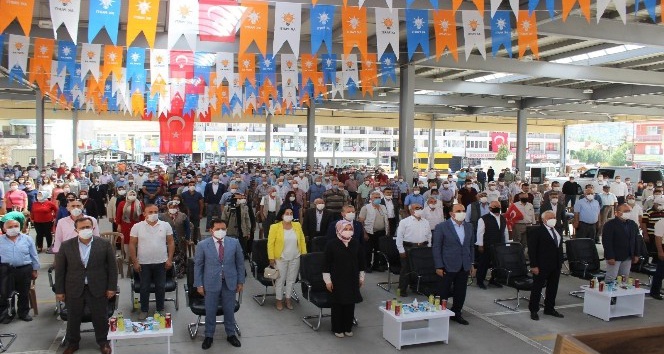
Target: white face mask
(242, 201)
(192, 188)
(626, 215)
(483, 200)
(14, 231)
(590, 196)
(416, 192)
(320, 206)
(122, 192)
(219, 234)
(153, 217)
(215, 180)
(350, 216)
(131, 198)
(492, 188)
(288, 218)
(460, 216)
(173, 210)
(233, 190)
(551, 223)
(418, 213)
(83, 196)
(295, 186)
(85, 234)
(75, 212)
(554, 201)
(292, 199)
(631, 201)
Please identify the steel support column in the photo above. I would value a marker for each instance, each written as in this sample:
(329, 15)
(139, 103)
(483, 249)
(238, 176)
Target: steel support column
(74, 136)
(521, 134)
(311, 133)
(406, 121)
(268, 138)
(39, 123)
(432, 137)
(563, 151)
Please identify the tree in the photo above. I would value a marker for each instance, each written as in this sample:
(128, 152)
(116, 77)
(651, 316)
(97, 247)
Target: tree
(591, 156)
(619, 155)
(503, 152)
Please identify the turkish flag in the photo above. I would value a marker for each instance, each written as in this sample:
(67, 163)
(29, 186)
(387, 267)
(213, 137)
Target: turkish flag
(218, 20)
(498, 139)
(182, 64)
(512, 215)
(177, 134)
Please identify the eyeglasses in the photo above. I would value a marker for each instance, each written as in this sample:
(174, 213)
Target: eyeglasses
(418, 208)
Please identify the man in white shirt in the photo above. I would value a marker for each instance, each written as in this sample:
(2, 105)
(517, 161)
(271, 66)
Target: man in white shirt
(528, 212)
(413, 231)
(373, 217)
(492, 193)
(151, 249)
(619, 189)
(491, 230)
(609, 203)
(433, 213)
(637, 209)
(302, 181)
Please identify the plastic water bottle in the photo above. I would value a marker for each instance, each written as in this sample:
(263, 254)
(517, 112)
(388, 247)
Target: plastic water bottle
(121, 323)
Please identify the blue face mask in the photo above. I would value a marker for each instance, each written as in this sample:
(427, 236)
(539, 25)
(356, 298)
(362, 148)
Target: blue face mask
(376, 201)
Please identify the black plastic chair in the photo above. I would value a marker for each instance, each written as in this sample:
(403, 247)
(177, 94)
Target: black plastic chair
(259, 261)
(170, 286)
(313, 286)
(87, 317)
(584, 261)
(423, 277)
(644, 266)
(10, 297)
(318, 243)
(387, 247)
(196, 303)
(510, 270)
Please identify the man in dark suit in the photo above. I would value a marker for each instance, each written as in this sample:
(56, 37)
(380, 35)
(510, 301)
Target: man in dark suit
(212, 197)
(453, 256)
(490, 173)
(555, 204)
(86, 275)
(316, 220)
(545, 249)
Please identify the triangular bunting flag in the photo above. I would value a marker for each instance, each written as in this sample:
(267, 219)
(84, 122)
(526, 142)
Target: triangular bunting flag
(183, 20)
(65, 12)
(142, 16)
(473, 31)
(287, 26)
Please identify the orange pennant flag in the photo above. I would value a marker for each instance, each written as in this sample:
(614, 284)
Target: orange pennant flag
(369, 74)
(253, 26)
(247, 68)
(142, 16)
(444, 25)
(354, 29)
(112, 62)
(319, 84)
(222, 96)
(137, 104)
(583, 4)
(266, 91)
(16, 9)
(527, 31)
(40, 64)
(480, 6)
(456, 4)
(309, 68)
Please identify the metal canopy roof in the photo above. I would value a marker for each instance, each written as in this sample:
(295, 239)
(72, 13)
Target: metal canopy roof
(593, 71)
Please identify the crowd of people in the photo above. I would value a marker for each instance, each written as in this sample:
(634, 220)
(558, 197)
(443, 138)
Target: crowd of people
(213, 212)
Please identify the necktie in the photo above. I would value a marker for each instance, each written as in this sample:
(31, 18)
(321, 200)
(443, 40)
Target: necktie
(221, 251)
(555, 238)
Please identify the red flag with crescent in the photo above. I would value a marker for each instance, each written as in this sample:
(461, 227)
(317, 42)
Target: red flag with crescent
(498, 139)
(176, 134)
(512, 215)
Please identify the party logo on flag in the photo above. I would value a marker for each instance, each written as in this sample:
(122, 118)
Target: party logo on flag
(387, 30)
(322, 22)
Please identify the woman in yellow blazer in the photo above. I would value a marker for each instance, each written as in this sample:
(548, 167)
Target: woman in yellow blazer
(285, 244)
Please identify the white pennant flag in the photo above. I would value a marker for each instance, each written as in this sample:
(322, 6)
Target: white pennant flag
(57, 79)
(287, 26)
(225, 63)
(513, 3)
(387, 30)
(289, 79)
(159, 59)
(349, 69)
(338, 87)
(250, 101)
(164, 104)
(65, 12)
(203, 102)
(621, 7)
(473, 31)
(90, 57)
(18, 52)
(78, 93)
(389, 4)
(119, 84)
(178, 87)
(182, 20)
(235, 88)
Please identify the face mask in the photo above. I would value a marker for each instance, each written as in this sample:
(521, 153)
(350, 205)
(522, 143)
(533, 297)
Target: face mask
(288, 218)
(131, 198)
(659, 184)
(14, 231)
(495, 210)
(13, 188)
(294, 186)
(416, 192)
(432, 206)
(626, 215)
(492, 188)
(320, 207)
(631, 201)
(122, 192)
(215, 180)
(83, 196)
(233, 190)
(551, 223)
(173, 210)
(460, 216)
(501, 183)
(347, 234)
(350, 216)
(400, 179)
(554, 201)
(618, 180)
(153, 217)
(273, 194)
(192, 188)
(242, 201)
(523, 200)
(483, 200)
(85, 234)
(41, 198)
(280, 184)
(292, 199)
(219, 234)
(590, 196)
(75, 212)
(376, 201)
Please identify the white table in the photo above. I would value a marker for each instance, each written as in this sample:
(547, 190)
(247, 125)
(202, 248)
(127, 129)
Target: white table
(163, 332)
(438, 328)
(629, 302)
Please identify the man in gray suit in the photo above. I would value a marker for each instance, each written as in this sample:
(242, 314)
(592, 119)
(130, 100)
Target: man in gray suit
(218, 275)
(453, 256)
(86, 275)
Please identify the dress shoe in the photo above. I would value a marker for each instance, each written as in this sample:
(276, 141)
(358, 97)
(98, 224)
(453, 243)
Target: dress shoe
(553, 313)
(26, 318)
(71, 349)
(234, 341)
(339, 335)
(657, 296)
(348, 334)
(280, 305)
(460, 320)
(105, 349)
(481, 285)
(403, 293)
(289, 304)
(207, 343)
(534, 316)
(8, 320)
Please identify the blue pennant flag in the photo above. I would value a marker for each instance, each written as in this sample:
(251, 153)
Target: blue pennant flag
(351, 86)
(434, 3)
(104, 13)
(152, 105)
(66, 57)
(203, 66)
(322, 24)
(388, 67)
(190, 105)
(267, 69)
(417, 31)
(250, 90)
(108, 96)
(650, 6)
(550, 6)
(2, 44)
(136, 68)
(329, 68)
(501, 32)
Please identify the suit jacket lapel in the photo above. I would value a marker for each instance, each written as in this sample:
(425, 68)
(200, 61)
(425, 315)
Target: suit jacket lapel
(214, 247)
(77, 252)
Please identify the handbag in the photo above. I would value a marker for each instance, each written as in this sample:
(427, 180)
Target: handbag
(271, 273)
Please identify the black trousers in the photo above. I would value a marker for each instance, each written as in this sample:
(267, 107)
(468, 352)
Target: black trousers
(196, 232)
(483, 264)
(454, 284)
(16, 279)
(98, 307)
(43, 230)
(549, 278)
(504, 204)
(342, 317)
(393, 225)
(586, 230)
(372, 249)
(404, 275)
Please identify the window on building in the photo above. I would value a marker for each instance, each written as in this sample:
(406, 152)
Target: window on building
(653, 130)
(534, 147)
(551, 146)
(652, 149)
